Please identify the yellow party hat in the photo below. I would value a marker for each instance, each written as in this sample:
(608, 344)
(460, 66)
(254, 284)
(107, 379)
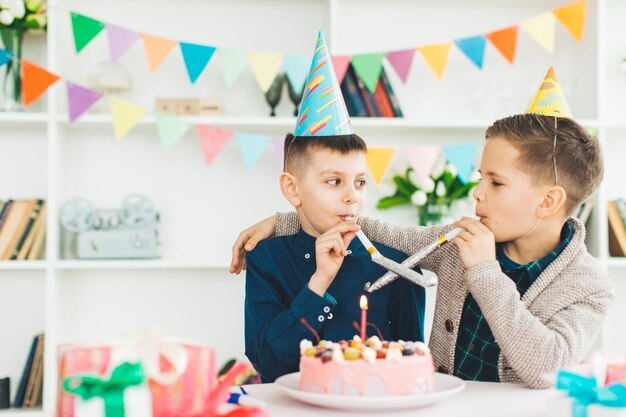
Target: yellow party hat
(549, 99)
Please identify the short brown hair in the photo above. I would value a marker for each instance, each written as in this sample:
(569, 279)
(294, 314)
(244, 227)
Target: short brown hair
(578, 159)
(298, 148)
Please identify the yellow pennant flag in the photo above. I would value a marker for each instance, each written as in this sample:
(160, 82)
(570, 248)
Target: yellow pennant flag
(378, 160)
(436, 57)
(572, 16)
(265, 66)
(125, 116)
(542, 29)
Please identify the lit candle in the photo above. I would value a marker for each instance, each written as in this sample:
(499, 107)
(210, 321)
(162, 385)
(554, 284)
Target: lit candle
(363, 304)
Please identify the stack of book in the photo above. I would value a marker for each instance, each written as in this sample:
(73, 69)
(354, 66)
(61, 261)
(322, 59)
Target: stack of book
(617, 227)
(22, 229)
(29, 391)
(360, 102)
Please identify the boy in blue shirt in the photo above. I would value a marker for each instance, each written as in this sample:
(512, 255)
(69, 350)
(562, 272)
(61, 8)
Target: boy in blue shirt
(312, 281)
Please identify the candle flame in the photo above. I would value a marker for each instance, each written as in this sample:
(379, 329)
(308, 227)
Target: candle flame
(363, 302)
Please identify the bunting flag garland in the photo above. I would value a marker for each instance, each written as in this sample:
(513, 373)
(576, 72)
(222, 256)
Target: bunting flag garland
(252, 146)
(462, 157)
(505, 41)
(473, 48)
(35, 81)
(297, 68)
(542, 29)
(125, 116)
(401, 62)
(340, 63)
(232, 63)
(368, 67)
(436, 57)
(171, 129)
(212, 140)
(423, 159)
(279, 147)
(265, 66)
(196, 58)
(79, 100)
(157, 49)
(84, 29)
(378, 160)
(120, 40)
(572, 16)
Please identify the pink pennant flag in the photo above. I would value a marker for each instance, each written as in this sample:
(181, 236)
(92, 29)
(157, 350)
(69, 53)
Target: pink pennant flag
(279, 146)
(423, 159)
(120, 40)
(340, 63)
(401, 61)
(212, 140)
(79, 100)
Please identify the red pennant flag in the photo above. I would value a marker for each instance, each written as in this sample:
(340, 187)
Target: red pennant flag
(340, 63)
(35, 81)
(505, 41)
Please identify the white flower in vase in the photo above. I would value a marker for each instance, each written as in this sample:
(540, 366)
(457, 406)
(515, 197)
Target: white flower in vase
(6, 17)
(419, 198)
(18, 9)
(441, 189)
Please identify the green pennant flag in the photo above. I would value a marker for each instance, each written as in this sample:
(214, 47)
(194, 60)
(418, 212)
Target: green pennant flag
(85, 29)
(368, 67)
(171, 129)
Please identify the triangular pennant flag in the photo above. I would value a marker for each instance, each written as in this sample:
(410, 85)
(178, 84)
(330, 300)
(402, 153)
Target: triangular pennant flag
(378, 161)
(232, 63)
(340, 63)
(265, 66)
(505, 41)
(297, 68)
(279, 147)
(157, 49)
(401, 62)
(252, 147)
(473, 48)
(423, 159)
(84, 29)
(79, 100)
(436, 57)
(120, 40)
(462, 157)
(35, 81)
(572, 16)
(125, 116)
(5, 56)
(171, 129)
(196, 58)
(542, 29)
(368, 67)
(212, 140)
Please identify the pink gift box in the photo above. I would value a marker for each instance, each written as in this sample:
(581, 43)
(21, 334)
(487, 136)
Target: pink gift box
(181, 375)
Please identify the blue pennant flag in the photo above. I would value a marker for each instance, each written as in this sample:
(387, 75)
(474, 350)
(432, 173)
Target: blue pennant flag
(297, 68)
(473, 48)
(462, 157)
(252, 147)
(196, 58)
(5, 56)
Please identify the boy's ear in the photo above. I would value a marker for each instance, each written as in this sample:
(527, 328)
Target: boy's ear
(553, 201)
(289, 188)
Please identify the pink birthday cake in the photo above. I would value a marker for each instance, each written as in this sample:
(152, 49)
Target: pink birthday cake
(370, 368)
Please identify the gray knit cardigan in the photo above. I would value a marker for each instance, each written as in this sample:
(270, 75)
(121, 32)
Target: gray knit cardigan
(553, 325)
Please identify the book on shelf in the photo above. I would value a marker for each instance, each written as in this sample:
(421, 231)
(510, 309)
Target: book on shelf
(351, 94)
(393, 99)
(360, 102)
(6, 205)
(617, 228)
(33, 391)
(28, 366)
(22, 228)
(34, 214)
(583, 212)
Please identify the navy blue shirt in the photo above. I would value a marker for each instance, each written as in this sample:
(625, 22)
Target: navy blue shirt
(277, 297)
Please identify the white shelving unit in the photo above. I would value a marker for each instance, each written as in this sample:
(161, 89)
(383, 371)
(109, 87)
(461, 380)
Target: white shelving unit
(189, 293)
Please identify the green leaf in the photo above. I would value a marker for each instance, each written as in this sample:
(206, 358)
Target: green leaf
(387, 202)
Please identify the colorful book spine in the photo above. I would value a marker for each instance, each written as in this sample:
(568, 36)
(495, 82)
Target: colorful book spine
(350, 90)
(382, 100)
(395, 104)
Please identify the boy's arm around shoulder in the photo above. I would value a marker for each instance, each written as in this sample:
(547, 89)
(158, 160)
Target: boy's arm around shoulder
(558, 326)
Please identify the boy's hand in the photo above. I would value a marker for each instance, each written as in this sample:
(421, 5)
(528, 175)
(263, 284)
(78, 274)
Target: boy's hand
(476, 243)
(248, 239)
(330, 250)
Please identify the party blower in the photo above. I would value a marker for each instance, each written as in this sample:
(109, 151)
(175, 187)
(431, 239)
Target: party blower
(413, 260)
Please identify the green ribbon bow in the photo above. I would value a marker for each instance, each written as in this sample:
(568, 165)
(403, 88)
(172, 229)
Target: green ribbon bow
(584, 391)
(110, 390)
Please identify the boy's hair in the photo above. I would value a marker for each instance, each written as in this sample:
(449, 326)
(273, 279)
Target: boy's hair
(578, 159)
(298, 148)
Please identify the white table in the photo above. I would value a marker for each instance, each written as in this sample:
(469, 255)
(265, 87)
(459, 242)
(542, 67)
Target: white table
(484, 399)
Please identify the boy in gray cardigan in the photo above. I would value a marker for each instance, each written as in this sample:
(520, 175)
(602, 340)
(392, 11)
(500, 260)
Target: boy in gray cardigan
(519, 296)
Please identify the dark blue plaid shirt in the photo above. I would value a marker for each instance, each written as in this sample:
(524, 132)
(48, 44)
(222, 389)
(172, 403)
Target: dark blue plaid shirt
(477, 352)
